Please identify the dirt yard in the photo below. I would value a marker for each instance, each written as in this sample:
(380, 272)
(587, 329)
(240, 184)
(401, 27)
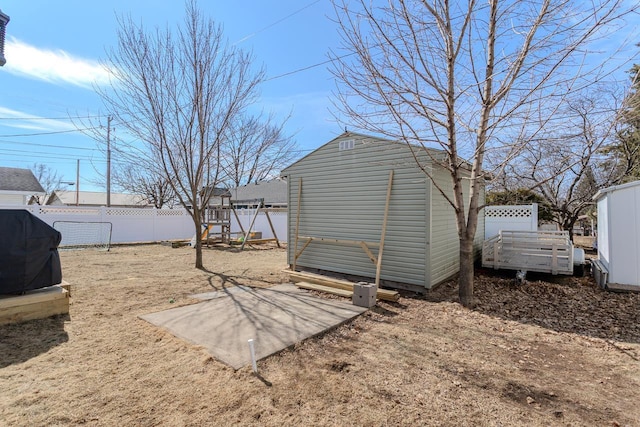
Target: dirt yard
(545, 353)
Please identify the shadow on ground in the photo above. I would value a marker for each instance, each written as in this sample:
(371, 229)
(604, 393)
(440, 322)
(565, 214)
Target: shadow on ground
(23, 341)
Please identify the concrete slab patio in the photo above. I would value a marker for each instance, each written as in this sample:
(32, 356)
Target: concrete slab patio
(275, 318)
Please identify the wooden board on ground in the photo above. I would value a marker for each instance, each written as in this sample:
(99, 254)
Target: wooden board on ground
(298, 276)
(327, 289)
(255, 241)
(176, 244)
(36, 304)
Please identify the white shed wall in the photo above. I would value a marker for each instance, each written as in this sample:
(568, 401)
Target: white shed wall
(624, 238)
(603, 231)
(619, 232)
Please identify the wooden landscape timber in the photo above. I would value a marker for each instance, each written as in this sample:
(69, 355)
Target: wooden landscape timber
(255, 241)
(326, 289)
(298, 276)
(36, 304)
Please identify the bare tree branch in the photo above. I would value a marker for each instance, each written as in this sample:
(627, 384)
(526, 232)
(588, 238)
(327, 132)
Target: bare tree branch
(178, 94)
(474, 79)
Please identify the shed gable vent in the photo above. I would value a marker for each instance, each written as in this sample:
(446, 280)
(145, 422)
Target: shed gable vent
(347, 144)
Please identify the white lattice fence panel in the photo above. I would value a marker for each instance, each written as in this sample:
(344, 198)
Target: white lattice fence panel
(511, 218)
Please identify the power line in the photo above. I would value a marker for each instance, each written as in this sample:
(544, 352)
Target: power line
(48, 146)
(309, 67)
(45, 133)
(276, 22)
(51, 118)
(23, 154)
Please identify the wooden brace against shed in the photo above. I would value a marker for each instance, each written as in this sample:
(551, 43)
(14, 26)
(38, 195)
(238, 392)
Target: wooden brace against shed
(377, 261)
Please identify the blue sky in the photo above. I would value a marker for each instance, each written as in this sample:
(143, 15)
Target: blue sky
(53, 51)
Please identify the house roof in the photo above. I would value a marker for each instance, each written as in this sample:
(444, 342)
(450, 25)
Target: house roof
(97, 198)
(273, 192)
(601, 193)
(23, 180)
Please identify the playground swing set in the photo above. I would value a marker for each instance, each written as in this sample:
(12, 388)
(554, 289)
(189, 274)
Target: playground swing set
(217, 225)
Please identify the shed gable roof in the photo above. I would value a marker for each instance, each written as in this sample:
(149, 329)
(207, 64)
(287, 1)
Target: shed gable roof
(601, 193)
(435, 153)
(15, 179)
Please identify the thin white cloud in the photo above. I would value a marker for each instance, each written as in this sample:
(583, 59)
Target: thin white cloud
(54, 66)
(20, 120)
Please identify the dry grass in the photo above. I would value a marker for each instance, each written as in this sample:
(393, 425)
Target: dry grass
(538, 355)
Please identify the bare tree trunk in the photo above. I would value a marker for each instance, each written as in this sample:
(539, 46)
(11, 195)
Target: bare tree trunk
(198, 224)
(465, 280)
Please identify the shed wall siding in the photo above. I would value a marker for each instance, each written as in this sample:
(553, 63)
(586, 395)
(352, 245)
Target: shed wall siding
(343, 197)
(603, 230)
(444, 233)
(624, 236)
(445, 242)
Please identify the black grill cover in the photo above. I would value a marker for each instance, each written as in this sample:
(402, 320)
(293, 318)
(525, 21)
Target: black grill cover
(28, 253)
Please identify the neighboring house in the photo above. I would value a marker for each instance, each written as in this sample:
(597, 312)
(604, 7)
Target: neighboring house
(618, 236)
(343, 193)
(17, 186)
(97, 198)
(274, 194)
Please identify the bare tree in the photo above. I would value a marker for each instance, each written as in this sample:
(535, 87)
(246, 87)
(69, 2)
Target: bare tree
(152, 184)
(127, 173)
(469, 77)
(625, 154)
(49, 179)
(254, 149)
(178, 94)
(568, 165)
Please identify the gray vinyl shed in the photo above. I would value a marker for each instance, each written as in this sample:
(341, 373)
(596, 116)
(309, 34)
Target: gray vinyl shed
(337, 197)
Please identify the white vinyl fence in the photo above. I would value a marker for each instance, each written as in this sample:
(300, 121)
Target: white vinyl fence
(510, 218)
(278, 219)
(134, 225)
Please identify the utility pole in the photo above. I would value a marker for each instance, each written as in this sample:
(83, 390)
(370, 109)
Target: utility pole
(4, 20)
(78, 182)
(109, 118)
